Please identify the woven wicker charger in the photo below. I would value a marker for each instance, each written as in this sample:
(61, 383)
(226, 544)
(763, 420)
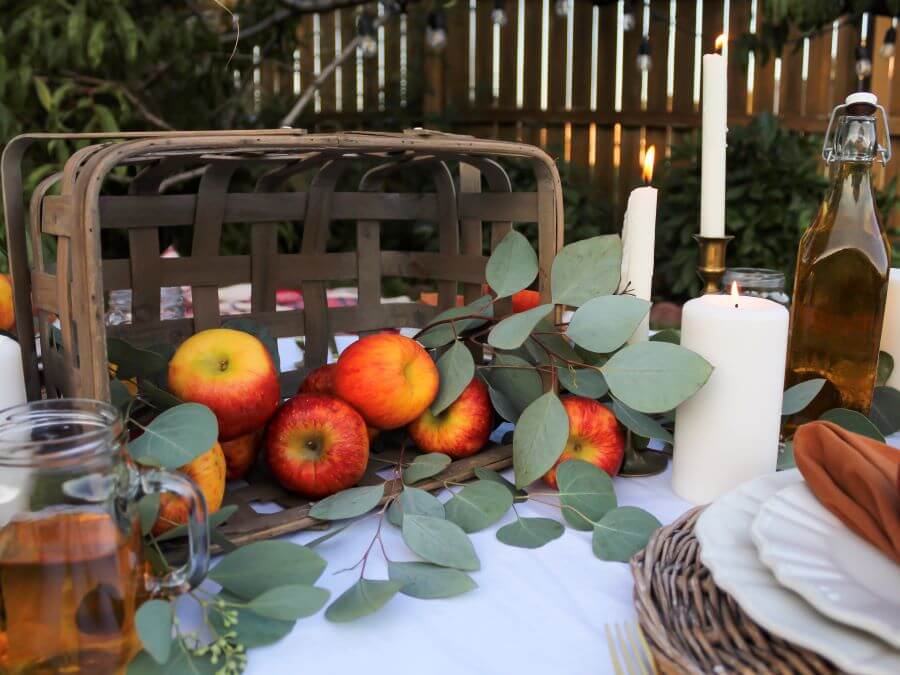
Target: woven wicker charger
(694, 627)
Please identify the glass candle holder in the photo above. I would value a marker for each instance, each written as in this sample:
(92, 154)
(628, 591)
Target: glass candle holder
(760, 283)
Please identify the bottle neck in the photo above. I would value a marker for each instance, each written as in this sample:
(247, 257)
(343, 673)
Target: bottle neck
(856, 140)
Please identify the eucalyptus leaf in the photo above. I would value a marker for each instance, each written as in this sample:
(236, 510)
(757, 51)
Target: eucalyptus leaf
(604, 324)
(653, 377)
(426, 581)
(513, 265)
(252, 629)
(176, 437)
(262, 566)
(156, 396)
(148, 509)
(799, 396)
(440, 334)
(288, 603)
(517, 381)
(585, 382)
(547, 338)
(348, 503)
(132, 362)
(361, 599)
(417, 502)
(491, 475)
(504, 407)
(478, 505)
(586, 269)
(512, 331)
(530, 532)
(623, 532)
(539, 438)
(153, 621)
(585, 492)
(670, 335)
(885, 368)
(335, 531)
(119, 396)
(440, 542)
(456, 368)
(180, 662)
(853, 421)
(640, 423)
(425, 466)
(213, 521)
(885, 412)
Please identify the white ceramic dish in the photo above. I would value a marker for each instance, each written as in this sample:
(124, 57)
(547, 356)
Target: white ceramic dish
(838, 572)
(727, 549)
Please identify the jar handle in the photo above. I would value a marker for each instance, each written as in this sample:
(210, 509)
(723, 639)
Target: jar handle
(192, 573)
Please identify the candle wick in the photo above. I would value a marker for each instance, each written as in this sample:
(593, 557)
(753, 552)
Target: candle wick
(735, 305)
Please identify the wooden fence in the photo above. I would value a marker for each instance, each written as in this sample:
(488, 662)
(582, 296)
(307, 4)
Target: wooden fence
(571, 84)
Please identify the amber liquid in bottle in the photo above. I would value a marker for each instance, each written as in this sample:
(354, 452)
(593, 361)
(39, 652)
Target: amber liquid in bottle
(840, 286)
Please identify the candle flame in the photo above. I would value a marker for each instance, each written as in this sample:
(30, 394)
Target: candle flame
(649, 158)
(720, 43)
(735, 292)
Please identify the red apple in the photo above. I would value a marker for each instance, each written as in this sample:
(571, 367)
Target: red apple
(240, 453)
(388, 378)
(317, 445)
(462, 429)
(319, 381)
(230, 372)
(525, 300)
(595, 436)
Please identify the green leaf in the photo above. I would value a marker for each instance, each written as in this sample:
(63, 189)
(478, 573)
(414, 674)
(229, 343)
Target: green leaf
(361, 599)
(587, 489)
(260, 332)
(181, 662)
(604, 324)
(456, 369)
(799, 396)
(417, 502)
(259, 567)
(548, 338)
(586, 269)
(478, 505)
(653, 377)
(43, 93)
(119, 396)
(440, 542)
(176, 437)
(289, 603)
(885, 368)
(328, 535)
(425, 466)
(348, 503)
(252, 629)
(640, 423)
(213, 521)
(530, 532)
(153, 621)
(442, 334)
(853, 421)
(786, 456)
(156, 396)
(491, 475)
(517, 383)
(512, 266)
(885, 412)
(148, 508)
(133, 362)
(585, 382)
(539, 438)
(623, 532)
(97, 43)
(426, 581)
(670, 335)
(512, 331)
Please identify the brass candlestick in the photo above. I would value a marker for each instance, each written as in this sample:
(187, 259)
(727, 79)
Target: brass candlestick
(711, 268)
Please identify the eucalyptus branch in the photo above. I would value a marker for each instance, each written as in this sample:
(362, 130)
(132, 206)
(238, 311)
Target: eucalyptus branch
(441, 322)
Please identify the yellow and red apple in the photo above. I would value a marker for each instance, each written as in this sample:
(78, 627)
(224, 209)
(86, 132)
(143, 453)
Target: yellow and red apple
(230, 372)
(319, 381)
(7, 311)
(240, 453)
(459, 431)
(317, 445)
(595, 436)
(388, 378)
(208, 472)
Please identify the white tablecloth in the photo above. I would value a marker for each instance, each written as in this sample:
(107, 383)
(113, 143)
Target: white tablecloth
(534, 610)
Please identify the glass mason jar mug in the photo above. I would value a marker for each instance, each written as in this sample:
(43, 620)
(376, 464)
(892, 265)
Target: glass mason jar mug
(72, 573)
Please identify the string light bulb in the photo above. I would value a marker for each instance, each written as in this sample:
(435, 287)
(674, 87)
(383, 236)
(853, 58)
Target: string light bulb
(644, 62)
(889, 43)
(629, 20)
(368, 43)
(498, 14)
(561, 7)
(863, 62)
(436, 30)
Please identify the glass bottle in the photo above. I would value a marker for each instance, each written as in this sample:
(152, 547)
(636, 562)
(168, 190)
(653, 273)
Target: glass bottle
(843, 265)
(758, 282)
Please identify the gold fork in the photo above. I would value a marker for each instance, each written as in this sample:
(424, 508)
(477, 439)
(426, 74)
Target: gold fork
(629, 643)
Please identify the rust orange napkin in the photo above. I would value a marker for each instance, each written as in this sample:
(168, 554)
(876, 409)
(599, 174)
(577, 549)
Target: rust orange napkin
(854, 477)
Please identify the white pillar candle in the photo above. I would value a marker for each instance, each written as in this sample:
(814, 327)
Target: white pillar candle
(638, 241)
(727, 433)
(890, 334)
(12, 378)
(712, 169)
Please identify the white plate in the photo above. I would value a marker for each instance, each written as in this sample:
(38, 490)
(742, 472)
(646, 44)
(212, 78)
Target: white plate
(727, 549)
(838, 572)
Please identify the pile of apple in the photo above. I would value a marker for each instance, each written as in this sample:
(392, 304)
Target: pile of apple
(317, 442)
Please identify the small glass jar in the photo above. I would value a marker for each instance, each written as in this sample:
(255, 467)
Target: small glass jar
(760, 283)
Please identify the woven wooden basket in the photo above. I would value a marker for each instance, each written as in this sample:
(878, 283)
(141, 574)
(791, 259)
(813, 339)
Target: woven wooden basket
(470, 199)
(694, 627)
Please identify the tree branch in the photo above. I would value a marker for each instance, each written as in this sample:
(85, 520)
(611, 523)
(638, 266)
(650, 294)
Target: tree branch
(132, 98)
